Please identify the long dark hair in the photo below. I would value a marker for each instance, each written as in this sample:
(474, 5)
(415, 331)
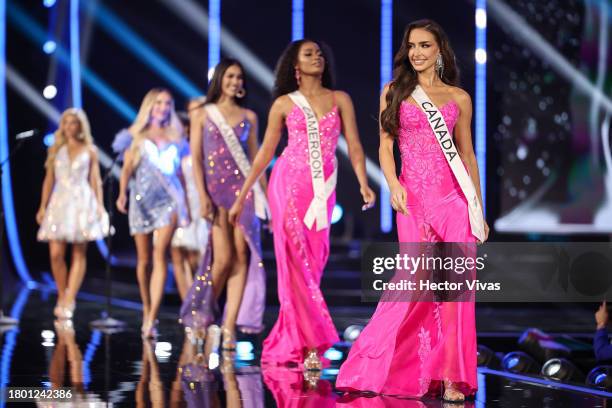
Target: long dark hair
(216, 83)
(285, 81)
(405, 77)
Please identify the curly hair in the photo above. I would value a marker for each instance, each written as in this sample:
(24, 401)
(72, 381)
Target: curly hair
(405, 77)
(285, 81)
(216, 83)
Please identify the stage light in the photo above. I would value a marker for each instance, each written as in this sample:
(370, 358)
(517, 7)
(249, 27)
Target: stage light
(386, 74)
(333, 354)
(49, 47)
(163, 351)
(50, 91)
(352, 332)
(337, 213)
(244, 351)
(47, 334)
(481, 18)
(211, 72)
(244, 347)
(519, 362)
(297, 20)
(213, 361)
(481, 56)
(541, 346)
(480, 98)
(49, 139)
(600, 377)
(487, 358)
(561, 369)
(214, 32)
(48, 3)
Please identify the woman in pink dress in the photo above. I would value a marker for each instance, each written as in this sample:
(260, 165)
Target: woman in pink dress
(304, 329)
(416, 348)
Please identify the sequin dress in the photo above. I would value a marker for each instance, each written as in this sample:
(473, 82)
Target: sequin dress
(304, 321)
(194, 236)
(223, 183)
(73, 213)
(413, 346)
(156, 192)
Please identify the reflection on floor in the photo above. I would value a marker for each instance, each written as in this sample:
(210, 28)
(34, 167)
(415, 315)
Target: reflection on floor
(122, 369)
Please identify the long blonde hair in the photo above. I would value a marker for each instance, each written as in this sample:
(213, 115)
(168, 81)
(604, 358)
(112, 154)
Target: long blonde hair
(138, 129)
(60, 138)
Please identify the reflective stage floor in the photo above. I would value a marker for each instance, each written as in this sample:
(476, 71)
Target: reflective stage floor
(120, 369)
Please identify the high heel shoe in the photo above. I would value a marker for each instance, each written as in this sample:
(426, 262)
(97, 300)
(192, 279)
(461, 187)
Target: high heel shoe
(311, 378)
(312, 362)
(451, 394)
(64, 312)
(229, 340)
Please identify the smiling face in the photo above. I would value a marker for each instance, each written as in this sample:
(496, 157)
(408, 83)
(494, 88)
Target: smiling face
(310, 59)
(160, 112)
(232, 82)
(423, 49)
(71, 127)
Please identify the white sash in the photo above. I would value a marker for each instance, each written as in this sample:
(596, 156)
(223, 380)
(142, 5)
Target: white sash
(445, 140)
(235, 148)
(317, 210)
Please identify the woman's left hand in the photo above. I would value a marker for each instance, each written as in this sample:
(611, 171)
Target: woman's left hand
(369, 197)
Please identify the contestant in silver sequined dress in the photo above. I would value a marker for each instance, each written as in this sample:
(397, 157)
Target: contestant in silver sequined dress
(71, 208)
(157, 200)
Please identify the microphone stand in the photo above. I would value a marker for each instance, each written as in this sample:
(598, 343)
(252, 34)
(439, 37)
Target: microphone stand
(107, 323)
(5, 320)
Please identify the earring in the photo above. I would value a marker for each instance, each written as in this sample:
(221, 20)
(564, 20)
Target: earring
(440, 65)
(297, 76)
(241, 93)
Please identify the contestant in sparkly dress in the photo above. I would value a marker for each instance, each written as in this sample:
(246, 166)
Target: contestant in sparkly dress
(71, 207)
(153, 148)
(422, 348)
(305, 170)
(223, 143)
(189, 242)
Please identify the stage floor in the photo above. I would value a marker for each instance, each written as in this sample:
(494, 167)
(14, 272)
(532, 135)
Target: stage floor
(122, 370)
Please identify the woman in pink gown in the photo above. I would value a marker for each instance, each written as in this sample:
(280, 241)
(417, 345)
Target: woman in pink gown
(416, 348)
(304, 327)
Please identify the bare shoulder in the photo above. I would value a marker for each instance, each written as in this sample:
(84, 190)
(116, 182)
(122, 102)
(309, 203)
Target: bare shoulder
(93, 151)
(251, 116)
(281, 105)
(342, 98)
(460, 96)
(386, 88)
(199, 114)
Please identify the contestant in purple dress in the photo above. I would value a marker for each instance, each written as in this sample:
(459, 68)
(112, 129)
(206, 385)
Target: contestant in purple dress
(223, 143)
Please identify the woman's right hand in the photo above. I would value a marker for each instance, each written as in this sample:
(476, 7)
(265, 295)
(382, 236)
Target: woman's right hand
(40, 215)
(121, 203)
(399, 198)
(236, 211)
(207, 209)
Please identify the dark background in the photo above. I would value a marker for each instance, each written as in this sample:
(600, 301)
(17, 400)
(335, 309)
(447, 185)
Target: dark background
(350, 27)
